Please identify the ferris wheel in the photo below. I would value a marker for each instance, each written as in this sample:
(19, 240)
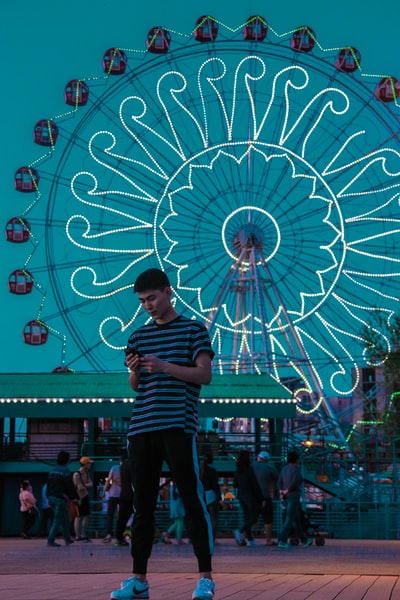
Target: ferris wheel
(260, 171)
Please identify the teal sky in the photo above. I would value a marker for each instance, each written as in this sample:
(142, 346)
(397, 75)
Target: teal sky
(46, 43)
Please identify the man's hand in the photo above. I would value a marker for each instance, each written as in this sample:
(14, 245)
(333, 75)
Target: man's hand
(153, 364)
(132, 361)
(199, 373)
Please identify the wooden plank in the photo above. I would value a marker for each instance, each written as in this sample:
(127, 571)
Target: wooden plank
(344, 587)
(312, 586)
(381, 588)
(358, 588)
(303, 587)
(258, 587)
(396, 590)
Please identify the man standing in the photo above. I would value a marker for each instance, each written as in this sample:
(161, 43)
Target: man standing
(289, 483)
(83, 483)
(113, 486)
(47, 513)
(60, 488)
(267, 477)
(125, 509)
(168, 359)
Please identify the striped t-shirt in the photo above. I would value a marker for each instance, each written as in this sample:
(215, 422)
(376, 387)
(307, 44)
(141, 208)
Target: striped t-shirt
(163, 402)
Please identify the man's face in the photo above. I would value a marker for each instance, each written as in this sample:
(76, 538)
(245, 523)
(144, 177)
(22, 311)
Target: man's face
(157, 303)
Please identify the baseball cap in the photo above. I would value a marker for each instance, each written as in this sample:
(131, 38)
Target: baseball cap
(264, 455)
(85, 460)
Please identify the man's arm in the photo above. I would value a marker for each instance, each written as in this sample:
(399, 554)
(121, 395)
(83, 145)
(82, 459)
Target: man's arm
(199, 374)
(107, 483)
(133, 363)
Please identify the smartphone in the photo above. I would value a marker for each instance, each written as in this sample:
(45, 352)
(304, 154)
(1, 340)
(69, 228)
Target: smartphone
(128, 350)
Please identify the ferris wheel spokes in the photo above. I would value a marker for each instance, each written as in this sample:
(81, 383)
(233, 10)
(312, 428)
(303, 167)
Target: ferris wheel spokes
(255, 301)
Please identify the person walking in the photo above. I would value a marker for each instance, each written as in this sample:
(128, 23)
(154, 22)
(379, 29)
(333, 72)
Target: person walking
(289, 484)
(267, 477)
(249, 496)
(83, 484)
(209, 479)
(177, 514)
(169, 359)
(112, 485)
(46, 516)
(125, 502)
(60, 489)
(28, 508)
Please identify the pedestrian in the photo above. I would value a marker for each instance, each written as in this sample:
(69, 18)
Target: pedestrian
(46, 514)
(209, 479)
(267, 477)
(177, 514)
(60, 489)
(249, 496)
(83, 484)
(169, 359)
(125, 502)
(28, 508)
(289, 484)
(112, 485)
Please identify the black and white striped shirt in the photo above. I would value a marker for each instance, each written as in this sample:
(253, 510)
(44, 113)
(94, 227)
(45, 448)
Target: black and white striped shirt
(163, 402)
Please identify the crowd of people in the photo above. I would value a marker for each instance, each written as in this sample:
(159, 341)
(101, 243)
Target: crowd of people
(65, 506)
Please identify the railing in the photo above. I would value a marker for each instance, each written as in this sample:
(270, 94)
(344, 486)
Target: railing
(224, 448)
(324, 468)
(358, 520)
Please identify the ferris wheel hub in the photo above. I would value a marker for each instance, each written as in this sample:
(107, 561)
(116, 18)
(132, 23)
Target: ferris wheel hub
(248, 238)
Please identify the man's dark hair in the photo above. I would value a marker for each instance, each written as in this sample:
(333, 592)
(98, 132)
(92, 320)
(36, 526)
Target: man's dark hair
(243, 460)
(152, 279)
(293, 457)
(63, 458)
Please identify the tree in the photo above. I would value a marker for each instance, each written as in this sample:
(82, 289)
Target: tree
(382, 349)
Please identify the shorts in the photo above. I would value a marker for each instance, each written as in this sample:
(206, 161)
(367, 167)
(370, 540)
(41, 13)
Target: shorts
(84, 507)
(267, 511)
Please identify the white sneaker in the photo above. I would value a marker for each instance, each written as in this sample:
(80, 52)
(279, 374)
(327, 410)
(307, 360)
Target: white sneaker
(204, 590)
(107, 539)
(131, 588)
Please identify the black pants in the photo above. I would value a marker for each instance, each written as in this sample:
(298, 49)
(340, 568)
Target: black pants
(267, 511)
(251, 511)
(46, 521)
(27, 522)
(124, 513)
(113, 504)
(147, 451)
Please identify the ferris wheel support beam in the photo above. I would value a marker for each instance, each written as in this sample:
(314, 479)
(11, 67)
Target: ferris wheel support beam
(261, 310)
(226, 286)
(308, 368)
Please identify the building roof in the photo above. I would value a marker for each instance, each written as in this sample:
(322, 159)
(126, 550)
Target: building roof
(106, 394)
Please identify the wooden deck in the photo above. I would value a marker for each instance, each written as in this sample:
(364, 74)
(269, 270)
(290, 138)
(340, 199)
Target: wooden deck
(340, 570)
(172, 586)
